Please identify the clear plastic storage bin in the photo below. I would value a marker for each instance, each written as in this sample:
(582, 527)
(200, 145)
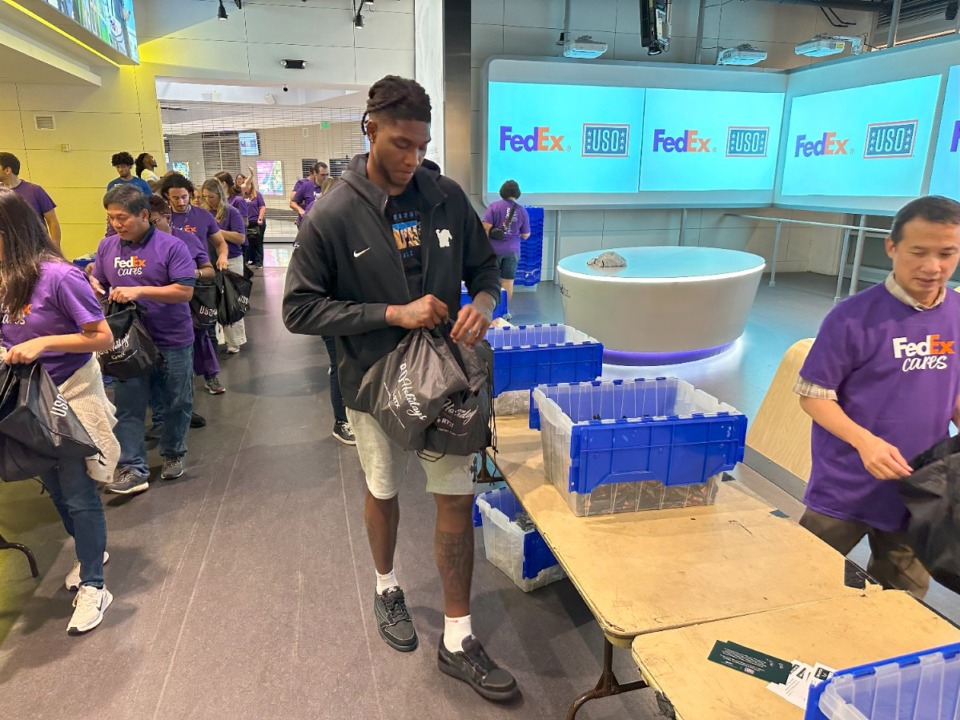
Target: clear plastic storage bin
(529, 355)
(625, 445)
(521, 554)
(921, 686)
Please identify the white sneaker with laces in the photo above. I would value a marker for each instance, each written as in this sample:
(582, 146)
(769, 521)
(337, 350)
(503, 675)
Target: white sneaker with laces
(90, 604)
(72, 581)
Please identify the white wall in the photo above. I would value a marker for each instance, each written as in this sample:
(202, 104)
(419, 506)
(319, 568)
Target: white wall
(532, 29)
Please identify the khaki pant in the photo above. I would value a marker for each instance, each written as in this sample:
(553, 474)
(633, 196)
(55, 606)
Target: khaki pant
(892, 561)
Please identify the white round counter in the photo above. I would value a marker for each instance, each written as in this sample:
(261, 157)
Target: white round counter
(668, 305)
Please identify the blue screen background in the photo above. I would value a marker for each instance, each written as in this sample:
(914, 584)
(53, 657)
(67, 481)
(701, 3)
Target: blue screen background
(564, 109)
(710, 113)
(848, 113)
(946, 165)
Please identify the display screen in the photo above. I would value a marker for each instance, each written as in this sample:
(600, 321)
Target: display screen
(181, 167)
(710, 140)
(110, 20)
(945, 179)
(270, 177)
(869, 141)
(249, 143)
(564, 138)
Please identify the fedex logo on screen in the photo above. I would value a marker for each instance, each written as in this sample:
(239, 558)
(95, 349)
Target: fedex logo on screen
(540, 140)
(689, 142)
(828, 144)
(955, 142)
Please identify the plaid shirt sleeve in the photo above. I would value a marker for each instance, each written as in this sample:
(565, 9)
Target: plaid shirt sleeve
(812, 390)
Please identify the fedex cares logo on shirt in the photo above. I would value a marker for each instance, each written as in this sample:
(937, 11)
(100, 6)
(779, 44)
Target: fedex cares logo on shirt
(929, 354)
(540, 140)
(21, 319)
(132, 266)
(689, 142)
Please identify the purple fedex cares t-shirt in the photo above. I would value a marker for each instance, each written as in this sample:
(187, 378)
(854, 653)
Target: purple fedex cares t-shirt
(157, 260)
(896, 373)
(35, 196)
(233, 222)
(62, 301)
(201, 223)
(496, 215)
(197, 249)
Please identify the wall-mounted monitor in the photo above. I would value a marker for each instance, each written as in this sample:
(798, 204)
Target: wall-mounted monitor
(181, 167)
(111, 21)
(270, 177)
(709, 140)
(868, 141)
(945, 179)
(249, 143)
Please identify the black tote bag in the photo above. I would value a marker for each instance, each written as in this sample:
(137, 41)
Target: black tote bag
(18, 462)
(133, 351)
(203, 305)
(932, 496)
(35, 414)
(406, 389)
(233, 300)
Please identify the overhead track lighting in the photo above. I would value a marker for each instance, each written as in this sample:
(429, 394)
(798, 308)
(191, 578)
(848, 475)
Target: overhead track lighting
(221, 12)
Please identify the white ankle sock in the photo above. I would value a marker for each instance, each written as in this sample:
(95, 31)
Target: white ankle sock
(454, 632)
(385, 582)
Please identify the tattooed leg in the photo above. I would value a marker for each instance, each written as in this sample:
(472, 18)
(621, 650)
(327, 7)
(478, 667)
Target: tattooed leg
(453, 551)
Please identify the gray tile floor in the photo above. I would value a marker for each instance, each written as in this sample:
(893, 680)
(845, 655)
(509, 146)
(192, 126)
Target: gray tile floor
(244, 590)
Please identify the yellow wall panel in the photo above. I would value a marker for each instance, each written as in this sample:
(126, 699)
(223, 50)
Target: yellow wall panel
(117, 94)
(8, 96)
(84, 169)
(80, 238)
(79, 205)
(11, 135)
(102, 132)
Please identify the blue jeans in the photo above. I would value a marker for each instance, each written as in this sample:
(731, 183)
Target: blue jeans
(173, 375)
(76, 498)
(336, 397)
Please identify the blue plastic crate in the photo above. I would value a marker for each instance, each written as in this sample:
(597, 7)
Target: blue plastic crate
(529, 355)
(910, 687)
(635, 430)
(83, 261)
(521, 554)
(499, 311)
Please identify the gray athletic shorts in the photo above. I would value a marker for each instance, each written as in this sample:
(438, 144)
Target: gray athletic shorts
(384, 463)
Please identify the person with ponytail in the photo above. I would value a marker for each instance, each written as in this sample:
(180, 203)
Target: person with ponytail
(380, 254)
(50, 314)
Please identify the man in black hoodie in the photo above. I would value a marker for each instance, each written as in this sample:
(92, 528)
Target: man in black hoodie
(382, 253)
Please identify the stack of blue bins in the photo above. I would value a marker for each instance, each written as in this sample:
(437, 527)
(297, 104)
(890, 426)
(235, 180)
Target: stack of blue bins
(628, 445)
(499, 311)
(531, 251)
(919, 686)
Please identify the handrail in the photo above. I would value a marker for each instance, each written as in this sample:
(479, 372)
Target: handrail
(842, 262)
(808, 222)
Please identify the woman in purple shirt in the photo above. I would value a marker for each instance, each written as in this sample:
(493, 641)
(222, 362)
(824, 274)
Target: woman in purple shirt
(507, 223)
(233, 229)
(254, 209)
(49, 313)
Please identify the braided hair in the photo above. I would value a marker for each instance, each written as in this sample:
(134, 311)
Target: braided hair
(396, 98)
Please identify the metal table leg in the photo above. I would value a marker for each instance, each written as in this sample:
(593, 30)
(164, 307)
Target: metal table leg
(4, 545)
(607, 685)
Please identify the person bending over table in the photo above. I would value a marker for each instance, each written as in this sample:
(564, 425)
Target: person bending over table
(881, 383)
(384, 253)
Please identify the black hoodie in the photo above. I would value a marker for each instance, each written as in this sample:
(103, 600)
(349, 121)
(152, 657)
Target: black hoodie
(346, 267)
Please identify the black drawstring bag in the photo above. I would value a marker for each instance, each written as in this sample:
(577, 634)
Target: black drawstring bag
(406, 389)
(233, 300)
(932, 495)
(203, 305)
(463, 425)
(133, 351)
(18, 462)
(37, 418)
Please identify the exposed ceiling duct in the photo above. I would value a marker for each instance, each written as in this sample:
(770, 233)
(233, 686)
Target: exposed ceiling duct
(859, 5)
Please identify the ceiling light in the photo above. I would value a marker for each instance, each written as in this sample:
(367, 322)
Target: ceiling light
(221, 12)
(741, 55)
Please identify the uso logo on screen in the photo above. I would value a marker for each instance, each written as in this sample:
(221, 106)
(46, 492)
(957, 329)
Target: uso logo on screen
(747, 142)
(605, 140)
(890, 139)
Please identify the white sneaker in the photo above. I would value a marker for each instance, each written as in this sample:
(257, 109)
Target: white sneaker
(90, 604)
(232, 349)
(72, 581)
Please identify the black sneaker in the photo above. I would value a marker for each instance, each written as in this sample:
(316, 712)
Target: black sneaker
(344, 433)
(393, 620)
(197, 421)
(474, 667)
(128, 483)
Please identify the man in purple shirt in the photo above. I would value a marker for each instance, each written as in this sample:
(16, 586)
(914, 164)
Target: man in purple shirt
(509, 218)
(144, 265)
(35, 195)
(177, 190)
(306, 194)
(881, 383)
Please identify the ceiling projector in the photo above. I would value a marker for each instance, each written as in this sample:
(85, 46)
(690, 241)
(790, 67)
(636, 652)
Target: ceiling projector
(819, 47)
(743, 55)
(584, 47)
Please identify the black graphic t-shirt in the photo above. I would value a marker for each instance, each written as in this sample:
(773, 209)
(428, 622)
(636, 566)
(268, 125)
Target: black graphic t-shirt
(403, 214)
